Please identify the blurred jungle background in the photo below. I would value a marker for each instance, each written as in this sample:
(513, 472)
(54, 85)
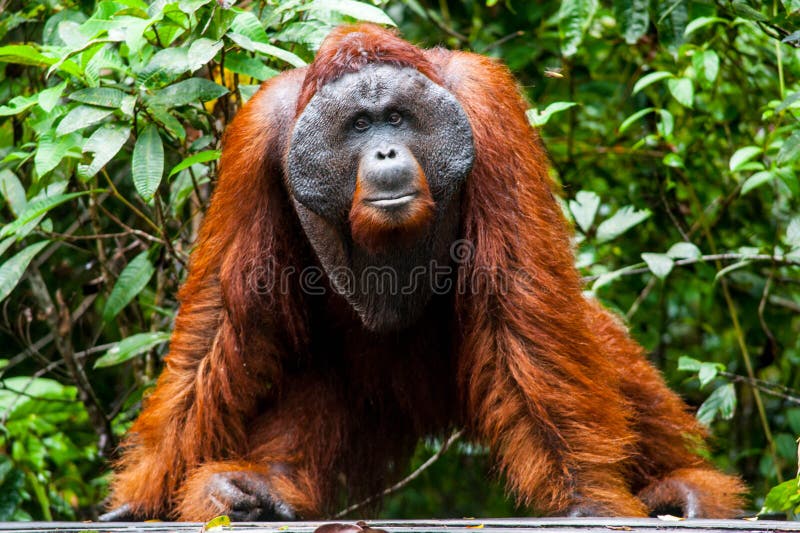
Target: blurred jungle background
(672, 126)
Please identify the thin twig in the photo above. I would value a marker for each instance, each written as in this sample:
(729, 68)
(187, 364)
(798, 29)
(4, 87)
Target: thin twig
(502, 40)
(406, 480)
(785, 303)
(761, 305)
(641, 298)
(57, 316)
(710, 257)
(783, 392)
(162, 222)
(35, 347)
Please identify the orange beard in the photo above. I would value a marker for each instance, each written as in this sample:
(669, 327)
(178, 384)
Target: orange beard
(377, 229)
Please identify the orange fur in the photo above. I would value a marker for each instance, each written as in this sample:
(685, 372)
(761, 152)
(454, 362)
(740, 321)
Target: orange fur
(264, 377)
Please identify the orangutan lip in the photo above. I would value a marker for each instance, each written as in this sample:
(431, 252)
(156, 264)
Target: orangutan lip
(391, 202)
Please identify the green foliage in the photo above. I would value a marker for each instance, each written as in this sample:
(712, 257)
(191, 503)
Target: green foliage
(687, 111)
(783, 498)
(49, 449)
(98, 100)
(673, 127)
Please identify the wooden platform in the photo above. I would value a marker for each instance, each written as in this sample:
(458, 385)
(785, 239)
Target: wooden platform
(509, 525)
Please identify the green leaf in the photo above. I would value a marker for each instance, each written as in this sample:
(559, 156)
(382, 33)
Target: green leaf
(673, 160)
(792, 37)
(635, 117)
(246, 24)
(13, 191)
(688, 363)
(700, 22)
(12, 270)
(200, 157)
(721, 402)
(5, 244)
(201, 52)
(788, 102)
(682, 90)
(350, 8)
(659, 264)
(131, 281)
(22, 390)
(190, 6)
(164, 67)
(17, 105)
(539, 119)
(310, 32)
(666, 124)
(24, 54)
(100, 96)
(574, 17)
(247, 91)
(266, 49)
(650, 79)
(168, 122)
(742, 156)
(708, 371)
(745, 11)
(50, 97)
(134, 33)
(684, 250)
(131, 347)
(633, 17)
(243, 64)
(584, 209)
(12, 491)
(790, 149)
(793, 232)
(147, 165)
(672, 17)
(80, 117)
(783, 497)
(38, 208)
(50, 152)
(706, 64)
(187, 91)
(623, 220)
(756, 180)
(104, 143)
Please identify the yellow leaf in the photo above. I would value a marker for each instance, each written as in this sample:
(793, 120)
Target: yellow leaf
(220, 521)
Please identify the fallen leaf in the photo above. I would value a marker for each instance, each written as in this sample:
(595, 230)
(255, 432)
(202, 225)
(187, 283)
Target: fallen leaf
(220, 521)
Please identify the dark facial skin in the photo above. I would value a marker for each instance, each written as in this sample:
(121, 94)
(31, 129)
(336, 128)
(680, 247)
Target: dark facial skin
(375, 166)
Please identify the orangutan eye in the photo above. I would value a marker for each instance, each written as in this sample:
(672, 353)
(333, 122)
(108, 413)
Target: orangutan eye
(395, 118)
(361, 124)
